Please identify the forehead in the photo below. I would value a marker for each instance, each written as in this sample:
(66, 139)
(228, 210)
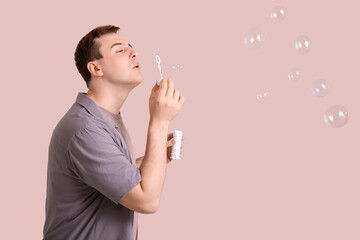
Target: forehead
(107, 40)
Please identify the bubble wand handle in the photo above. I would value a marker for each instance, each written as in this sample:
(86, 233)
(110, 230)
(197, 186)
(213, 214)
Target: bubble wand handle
(160, 71)
(157, 58)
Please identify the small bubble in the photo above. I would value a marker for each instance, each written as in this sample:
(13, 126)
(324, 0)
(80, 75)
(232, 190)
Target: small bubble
(320, 88)
(262, 96)
(278, 13)
(294, 75)
(303, 44)
(336, 116)
(254, 38)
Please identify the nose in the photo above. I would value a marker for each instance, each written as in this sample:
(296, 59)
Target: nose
(133, 54)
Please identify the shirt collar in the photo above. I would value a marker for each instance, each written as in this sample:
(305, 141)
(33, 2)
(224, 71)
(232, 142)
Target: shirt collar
(114, 117)
(92, 107)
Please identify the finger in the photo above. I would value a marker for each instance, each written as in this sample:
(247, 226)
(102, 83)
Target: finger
(163, 87)
(171, 143)
(170, 136)
(176, 95)
(170, 90)
(181, 100)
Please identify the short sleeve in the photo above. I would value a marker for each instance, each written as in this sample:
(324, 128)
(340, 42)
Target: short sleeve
(99, 162)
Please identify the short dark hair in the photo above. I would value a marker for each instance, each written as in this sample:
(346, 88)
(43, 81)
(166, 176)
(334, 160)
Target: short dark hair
(88, 50)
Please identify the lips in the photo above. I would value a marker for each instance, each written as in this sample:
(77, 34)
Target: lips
(136, 65)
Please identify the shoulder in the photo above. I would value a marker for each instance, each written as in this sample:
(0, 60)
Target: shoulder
(79, 123)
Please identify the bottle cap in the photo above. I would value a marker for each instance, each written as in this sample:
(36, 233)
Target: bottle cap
(177, 133)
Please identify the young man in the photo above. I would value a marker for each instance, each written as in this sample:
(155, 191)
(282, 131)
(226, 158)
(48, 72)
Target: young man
(95, 186)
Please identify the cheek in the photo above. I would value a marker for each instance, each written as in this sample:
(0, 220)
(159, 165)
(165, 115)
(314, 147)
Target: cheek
(117, 66)
(120, 64)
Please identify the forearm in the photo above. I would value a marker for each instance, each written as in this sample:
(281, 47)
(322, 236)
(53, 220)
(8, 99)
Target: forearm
(153, 167)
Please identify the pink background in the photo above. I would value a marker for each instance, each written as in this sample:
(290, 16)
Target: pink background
(250, 169)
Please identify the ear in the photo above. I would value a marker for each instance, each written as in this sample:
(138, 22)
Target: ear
(95, 69)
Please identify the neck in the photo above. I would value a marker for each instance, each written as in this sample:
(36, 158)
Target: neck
(109, 99)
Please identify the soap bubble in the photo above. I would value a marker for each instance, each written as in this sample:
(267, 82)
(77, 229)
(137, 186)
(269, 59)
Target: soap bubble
(320, 88)
(173, 66)
(278, 13)
(254, 38)
(303, 44)
(294, 75)
(171, 70)
(261, 96)
(336, 116)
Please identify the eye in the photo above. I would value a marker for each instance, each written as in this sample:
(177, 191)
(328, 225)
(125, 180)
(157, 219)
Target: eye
(120, 51)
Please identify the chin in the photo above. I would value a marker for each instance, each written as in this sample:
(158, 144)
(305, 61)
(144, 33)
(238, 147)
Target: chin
(141, 79)
(138, 80)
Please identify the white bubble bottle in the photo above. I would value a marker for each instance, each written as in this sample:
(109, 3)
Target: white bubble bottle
(175, 150)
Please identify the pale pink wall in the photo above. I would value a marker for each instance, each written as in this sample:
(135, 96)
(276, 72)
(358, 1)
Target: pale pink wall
(250, 169)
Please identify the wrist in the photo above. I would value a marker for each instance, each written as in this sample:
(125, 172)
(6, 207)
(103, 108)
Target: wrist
(161, 124)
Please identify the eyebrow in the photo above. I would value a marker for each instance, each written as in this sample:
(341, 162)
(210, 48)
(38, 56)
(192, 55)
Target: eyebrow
(120, 43)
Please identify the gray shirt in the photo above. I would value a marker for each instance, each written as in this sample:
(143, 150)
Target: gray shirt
(89, 171)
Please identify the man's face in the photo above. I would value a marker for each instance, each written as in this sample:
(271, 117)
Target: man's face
(119, 62)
